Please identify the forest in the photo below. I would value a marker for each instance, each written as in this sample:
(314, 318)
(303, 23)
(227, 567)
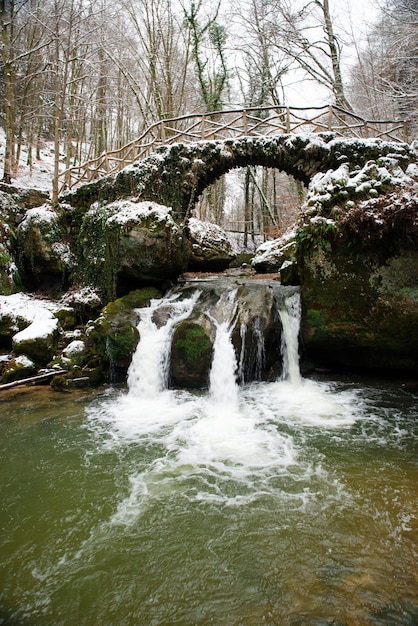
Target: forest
(88, 77)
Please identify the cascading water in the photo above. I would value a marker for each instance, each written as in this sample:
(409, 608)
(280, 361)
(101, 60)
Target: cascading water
(290, 318)
(148, 373)
(223, 388)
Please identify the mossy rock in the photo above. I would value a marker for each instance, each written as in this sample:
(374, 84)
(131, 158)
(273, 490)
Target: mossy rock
(44, 257)
(136, 243)
(360, 305)
(17, 369)
(191, 354)
(114, 336)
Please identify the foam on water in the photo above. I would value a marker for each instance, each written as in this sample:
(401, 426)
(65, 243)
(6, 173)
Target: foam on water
(232, 444)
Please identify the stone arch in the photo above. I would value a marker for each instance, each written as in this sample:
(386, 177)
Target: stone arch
(176, 175)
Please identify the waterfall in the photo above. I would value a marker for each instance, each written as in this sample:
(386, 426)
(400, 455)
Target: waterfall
(148, 373)
(290, 317)
(230, 309)
(223, 388)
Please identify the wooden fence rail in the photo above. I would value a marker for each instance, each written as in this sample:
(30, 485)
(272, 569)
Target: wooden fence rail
(234, 123)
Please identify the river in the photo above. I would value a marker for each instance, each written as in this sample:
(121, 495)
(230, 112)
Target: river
(291, 502)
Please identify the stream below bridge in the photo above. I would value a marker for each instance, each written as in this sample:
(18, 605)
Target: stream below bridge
(292, 502)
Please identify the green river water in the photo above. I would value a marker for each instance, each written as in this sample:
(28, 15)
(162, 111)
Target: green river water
(297, 505)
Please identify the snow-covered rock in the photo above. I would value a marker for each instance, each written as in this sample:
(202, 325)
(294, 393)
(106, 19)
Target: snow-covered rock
(126, 244)
(75, 353)
(30, 325)
(211, 249)
(17, 369)
(275, 255)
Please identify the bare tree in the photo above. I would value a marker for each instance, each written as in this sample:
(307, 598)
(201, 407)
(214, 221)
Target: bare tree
(305, 34)
(384, 79)
(208, 39)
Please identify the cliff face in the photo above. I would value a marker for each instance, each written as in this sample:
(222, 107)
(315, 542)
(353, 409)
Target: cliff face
(358, 269)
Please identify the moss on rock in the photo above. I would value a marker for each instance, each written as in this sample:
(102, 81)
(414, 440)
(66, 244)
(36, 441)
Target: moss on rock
(113, 336)
(191, 354)
(359, 283)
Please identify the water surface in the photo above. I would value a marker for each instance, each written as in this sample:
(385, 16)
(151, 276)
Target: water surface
(294, 503)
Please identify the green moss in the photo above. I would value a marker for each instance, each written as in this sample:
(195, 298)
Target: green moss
(114, 334)
(98, 250)
(316, 321)
(193, 343)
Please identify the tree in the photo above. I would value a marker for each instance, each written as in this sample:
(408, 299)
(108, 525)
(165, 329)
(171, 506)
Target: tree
(264, 65)
(305, 34)
(7, 16)
(384, 79)
(208, 41)
(156, 67)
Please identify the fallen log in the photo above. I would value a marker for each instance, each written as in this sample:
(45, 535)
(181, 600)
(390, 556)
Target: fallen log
(33, 379)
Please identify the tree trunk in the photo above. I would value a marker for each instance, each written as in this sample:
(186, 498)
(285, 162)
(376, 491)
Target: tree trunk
(6, 14)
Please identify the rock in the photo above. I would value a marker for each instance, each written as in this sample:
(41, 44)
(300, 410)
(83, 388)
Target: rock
(44, 257)
(30, 326)
(25, 198)
(39, 340)
(135, 243)
(252, 307)
(257, 331)
(278, 255)
(9, 275)
(113, 336)
(210, 249)
(359, 279)
(83, 302)
(17, 369)
(75, 353)
(191, 353)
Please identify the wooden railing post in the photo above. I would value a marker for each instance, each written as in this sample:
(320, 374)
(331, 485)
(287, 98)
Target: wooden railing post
(161, 132)
(330, 116)
(405, 132)
(287, 120)
(245, 121)
(203, 126)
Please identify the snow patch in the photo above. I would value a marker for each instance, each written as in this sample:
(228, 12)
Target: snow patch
(128, 211)
(74, 348)
(37, 314)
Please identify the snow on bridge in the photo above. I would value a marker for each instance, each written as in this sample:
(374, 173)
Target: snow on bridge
(176, 175)
(234, 123)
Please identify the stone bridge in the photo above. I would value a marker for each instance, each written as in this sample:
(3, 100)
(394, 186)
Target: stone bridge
(176, 175)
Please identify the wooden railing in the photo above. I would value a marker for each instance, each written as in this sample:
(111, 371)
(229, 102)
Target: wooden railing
(251, 121)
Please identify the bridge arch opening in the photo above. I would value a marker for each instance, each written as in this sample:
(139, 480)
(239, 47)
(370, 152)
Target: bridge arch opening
(251, 204)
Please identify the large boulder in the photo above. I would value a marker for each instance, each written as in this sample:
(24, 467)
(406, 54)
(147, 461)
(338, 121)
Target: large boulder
(210, 249)
(278, 256)
(127, 244)
(191, 352)
(45, 259)
(358, 267)
(29, 326)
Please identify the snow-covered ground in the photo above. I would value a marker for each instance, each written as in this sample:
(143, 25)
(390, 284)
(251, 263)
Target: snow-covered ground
(37, 177)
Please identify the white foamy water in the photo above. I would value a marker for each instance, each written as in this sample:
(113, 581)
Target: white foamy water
(148, 371)
(290, 318)
(223, 387)
(231, 444)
